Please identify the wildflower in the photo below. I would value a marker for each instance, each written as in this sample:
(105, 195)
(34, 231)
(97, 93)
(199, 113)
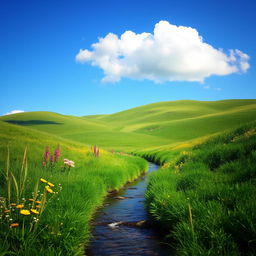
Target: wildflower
(95, 150)
(47, 154)
(13, 204)
(44, 163)
(57, 153)
(48, 189)
(43, 180)
(35, 219)
(31, 200)
(38, 202)
(19, 206)
(52, 158)
(25, 212)
(38, 206)
(7, 211)
(50, 184)
(34, 211)
(69, 163)
(14, 225)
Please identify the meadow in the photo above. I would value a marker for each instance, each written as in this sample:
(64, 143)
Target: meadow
(46, 205)
(203, 196)
(150, 126)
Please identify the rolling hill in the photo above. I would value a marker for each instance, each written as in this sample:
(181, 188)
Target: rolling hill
(153, 125)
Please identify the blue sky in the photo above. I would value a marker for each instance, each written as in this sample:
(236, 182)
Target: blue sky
(41, 39)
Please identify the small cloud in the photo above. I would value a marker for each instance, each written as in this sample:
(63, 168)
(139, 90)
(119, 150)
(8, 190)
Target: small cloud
(14, 112)
(207, 87)
(169, 53)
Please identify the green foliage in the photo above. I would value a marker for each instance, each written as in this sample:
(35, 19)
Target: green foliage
(204, 197)
(64, 227)
(150, 126)
(217, 179)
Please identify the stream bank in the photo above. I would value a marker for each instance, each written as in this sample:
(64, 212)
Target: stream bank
(122, 227)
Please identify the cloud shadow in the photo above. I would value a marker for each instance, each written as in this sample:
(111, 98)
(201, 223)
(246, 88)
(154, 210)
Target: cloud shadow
(31, 122)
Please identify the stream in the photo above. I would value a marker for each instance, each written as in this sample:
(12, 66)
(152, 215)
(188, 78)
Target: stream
(120, 227)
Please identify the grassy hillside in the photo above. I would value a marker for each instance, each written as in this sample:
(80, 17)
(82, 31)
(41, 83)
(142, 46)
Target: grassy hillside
(53, 122)
(83, 130)
(34, 220)
(172, 110)
(154, 125)
(191, 186)
(205, 197)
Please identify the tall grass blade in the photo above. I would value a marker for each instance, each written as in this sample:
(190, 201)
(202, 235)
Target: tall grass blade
(9, 188)
(43, 203)
(23, 173)
(16, 186)
(7, 164)
(7, 176)
(35, 193)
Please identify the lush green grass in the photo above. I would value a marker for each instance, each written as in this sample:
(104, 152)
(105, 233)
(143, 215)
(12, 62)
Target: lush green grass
(84, 131)
(154, 125)
(63, 228)
(205, 197)
(201, 196)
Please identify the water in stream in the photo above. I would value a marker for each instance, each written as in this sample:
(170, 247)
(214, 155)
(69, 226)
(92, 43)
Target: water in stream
(125, 239)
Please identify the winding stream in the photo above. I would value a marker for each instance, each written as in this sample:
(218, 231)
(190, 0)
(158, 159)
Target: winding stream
(120, 228)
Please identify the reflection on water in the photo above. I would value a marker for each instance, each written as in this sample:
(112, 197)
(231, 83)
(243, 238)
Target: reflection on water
(119, 238)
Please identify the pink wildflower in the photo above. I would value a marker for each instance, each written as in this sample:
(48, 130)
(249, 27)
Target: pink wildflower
(52, 158)
(69, 163)
(95, 150)
(47, 154)
(57, 153)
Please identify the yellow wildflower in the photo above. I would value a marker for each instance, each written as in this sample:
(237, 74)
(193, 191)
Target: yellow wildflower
(50, 184)
(13, 204)
(19, 206)
(38, 206)
(34, 211)
(25, 212)
(48, 189)
(14, 225)
(38, 202)
(43, 180)
(31, 200)
(7, 211)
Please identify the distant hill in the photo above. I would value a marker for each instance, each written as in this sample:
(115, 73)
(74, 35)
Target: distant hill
(153, 125)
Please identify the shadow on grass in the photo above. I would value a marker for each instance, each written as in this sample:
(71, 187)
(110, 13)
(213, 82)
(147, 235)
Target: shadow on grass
(31, 122)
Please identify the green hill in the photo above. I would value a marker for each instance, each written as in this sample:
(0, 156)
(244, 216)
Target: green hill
(153, 125)
(83, 130)
(204, 196)
(163, 131)
(62, 197)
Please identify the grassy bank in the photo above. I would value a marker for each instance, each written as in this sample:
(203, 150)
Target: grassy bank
(51, 216)
(205, 196)
(201, 195)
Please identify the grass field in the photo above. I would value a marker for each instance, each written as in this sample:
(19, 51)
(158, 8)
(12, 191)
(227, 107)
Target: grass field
(60, 224)
(203, 196)
(155, 125)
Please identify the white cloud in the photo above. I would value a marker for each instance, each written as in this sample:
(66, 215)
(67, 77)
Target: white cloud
(171, 53)
(14, 112)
